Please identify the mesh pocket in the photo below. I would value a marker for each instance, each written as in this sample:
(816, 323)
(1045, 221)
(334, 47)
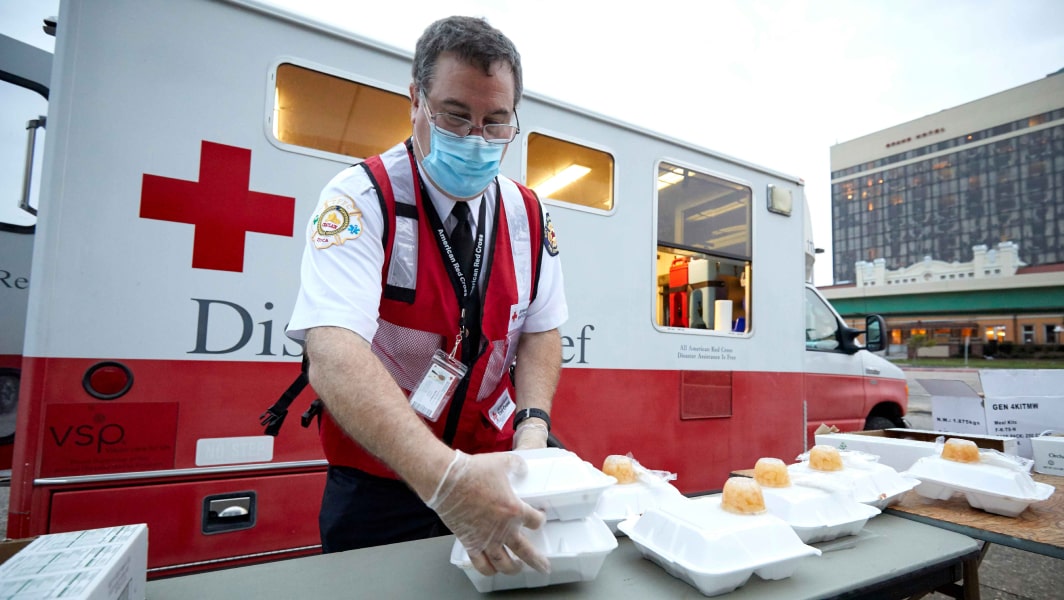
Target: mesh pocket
(405, 352)
(497, 367)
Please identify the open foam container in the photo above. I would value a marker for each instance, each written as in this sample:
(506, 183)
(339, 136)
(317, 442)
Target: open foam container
(870, 482)
(716, 551)
(994, 487)
(576, 550)
(560, 483)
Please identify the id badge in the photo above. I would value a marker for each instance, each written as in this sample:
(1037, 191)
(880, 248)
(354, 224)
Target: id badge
(499, 413)
(437, 385)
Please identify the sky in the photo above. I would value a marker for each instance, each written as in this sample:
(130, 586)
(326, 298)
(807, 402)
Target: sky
(772, 82)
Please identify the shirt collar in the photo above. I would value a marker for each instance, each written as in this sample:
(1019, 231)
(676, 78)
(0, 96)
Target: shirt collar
(444, 205)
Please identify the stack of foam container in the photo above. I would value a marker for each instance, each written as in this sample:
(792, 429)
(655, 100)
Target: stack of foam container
(574, 539)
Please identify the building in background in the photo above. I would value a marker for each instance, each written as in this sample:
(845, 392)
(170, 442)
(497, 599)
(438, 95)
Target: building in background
(952, 225)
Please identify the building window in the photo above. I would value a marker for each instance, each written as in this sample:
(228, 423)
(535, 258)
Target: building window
(1052, 334)
(1028, 334)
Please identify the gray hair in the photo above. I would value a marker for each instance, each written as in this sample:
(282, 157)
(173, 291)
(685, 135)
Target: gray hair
(472, 41)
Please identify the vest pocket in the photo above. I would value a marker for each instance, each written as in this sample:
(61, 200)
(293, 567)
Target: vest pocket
(405, 352)
(496, 369)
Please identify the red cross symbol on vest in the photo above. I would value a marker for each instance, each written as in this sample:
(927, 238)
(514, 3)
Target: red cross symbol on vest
(220, 206)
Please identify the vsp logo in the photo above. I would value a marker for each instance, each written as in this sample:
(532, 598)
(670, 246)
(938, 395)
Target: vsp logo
(224, 327)
(97, 435)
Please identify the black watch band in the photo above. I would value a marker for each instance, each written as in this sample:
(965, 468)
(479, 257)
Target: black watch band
(525, 413)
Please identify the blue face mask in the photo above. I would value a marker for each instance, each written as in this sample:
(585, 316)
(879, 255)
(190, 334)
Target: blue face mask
(462, 167)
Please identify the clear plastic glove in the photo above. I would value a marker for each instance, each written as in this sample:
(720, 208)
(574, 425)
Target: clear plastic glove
(477, 503)
(530, 436)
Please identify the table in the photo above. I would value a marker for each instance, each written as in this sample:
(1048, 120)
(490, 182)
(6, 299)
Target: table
(1039, 529)
(891, 558)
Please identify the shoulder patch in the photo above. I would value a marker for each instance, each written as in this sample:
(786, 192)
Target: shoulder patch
(337, 221)
(550, 239)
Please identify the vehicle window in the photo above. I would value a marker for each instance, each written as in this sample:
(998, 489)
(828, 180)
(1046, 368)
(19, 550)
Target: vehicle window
(821, 327)
(568, 172)
(333, 114)
(703, 251)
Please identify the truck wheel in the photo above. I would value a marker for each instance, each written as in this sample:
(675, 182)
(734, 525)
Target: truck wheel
(9, 381)
(879, 423)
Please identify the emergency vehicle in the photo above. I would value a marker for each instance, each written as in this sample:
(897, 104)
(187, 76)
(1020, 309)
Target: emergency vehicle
(187, 145)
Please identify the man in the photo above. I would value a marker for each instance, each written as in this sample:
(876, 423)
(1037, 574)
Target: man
(427, 275)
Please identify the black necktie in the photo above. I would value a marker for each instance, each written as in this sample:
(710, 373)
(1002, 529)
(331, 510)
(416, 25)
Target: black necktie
(462, 239)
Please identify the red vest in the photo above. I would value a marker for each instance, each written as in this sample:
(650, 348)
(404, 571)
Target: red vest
(419, 310)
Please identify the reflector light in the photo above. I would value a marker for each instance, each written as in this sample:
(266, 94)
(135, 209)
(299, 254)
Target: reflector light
(107, 380)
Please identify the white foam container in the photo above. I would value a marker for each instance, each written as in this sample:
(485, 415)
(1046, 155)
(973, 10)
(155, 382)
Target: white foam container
(624, 501)
(818, 515)
(870, 482)
(559, 483)
(576, 550)
(716, 551)
(995, 488)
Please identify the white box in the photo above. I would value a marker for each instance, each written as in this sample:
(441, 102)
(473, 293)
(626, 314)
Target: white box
(1049, 454)
(698, 271)
(1023, 403)
(96, 564)
(900, 448)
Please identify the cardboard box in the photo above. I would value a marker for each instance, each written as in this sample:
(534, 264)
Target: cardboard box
(96, 564)
(955, 406)
(1049, 454)
(1022, 403)
(900, 448)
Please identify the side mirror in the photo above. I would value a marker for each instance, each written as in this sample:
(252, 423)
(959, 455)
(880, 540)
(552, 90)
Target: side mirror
(848, 339)
(875, 333)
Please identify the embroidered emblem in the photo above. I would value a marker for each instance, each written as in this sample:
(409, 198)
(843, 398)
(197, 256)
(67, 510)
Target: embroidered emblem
(339, 220)
(550, 240)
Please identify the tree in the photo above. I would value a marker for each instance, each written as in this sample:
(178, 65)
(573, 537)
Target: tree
(916, 342)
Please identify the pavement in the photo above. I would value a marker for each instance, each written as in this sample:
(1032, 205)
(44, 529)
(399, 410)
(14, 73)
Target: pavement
(1005, 574)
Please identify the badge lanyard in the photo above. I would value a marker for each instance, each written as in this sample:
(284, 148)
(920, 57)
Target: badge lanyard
(445, 370)
(466, 285)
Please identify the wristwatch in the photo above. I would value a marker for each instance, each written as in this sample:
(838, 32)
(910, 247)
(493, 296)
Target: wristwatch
(525, 413)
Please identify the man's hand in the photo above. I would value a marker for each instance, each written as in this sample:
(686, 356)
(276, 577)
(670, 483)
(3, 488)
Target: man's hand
(476, 502)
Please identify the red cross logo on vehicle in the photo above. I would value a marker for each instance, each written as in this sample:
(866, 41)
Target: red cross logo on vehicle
(220, 205)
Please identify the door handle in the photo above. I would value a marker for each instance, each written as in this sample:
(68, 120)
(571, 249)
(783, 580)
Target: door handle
(27, 176)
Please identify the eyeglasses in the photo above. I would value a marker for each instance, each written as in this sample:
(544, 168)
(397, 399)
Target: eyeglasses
(451, 125)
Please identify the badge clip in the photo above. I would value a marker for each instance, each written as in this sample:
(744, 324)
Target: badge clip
(437, 385)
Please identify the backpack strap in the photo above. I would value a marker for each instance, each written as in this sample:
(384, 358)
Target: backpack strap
(399, 275)
(274, 416)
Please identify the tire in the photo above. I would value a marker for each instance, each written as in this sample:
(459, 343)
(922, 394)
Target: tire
(877, 422)
(9, 383)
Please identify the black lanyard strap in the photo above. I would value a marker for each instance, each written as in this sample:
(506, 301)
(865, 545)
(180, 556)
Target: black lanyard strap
(465, 287)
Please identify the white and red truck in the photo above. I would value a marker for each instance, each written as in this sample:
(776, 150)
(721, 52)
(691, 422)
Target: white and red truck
(187, 144)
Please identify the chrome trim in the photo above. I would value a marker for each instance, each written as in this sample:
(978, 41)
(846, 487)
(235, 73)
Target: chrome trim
(173, 473)
(221, 561)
